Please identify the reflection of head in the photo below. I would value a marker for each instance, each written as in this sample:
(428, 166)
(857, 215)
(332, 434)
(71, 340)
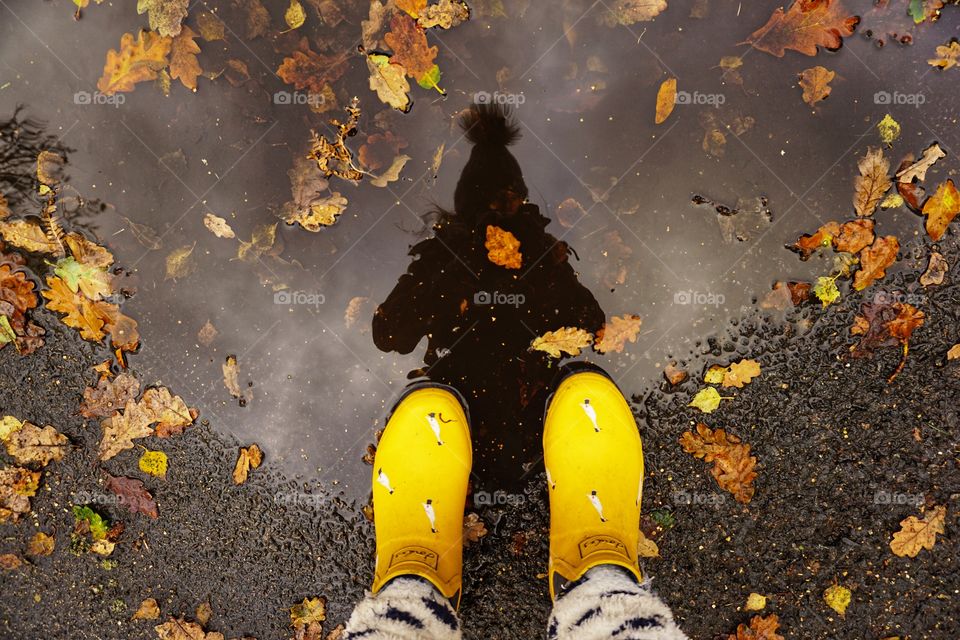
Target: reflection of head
(480, 317)
(492, 178)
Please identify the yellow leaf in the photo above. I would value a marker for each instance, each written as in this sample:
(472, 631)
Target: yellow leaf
(412, 7)
(445, 14)
(503, 248)
(295, 15)
(755, 602)
(310, 610)
(389, 81)
(82, 313)
(136, 61)
(837, 598)
(154, 463)
(941, 208)
(826, 290)
(320, 213)
(149, 610)
(569, 340)
(954, 352)
(180, 263)
(889, 129)
(715, 374)
(707, 400)
(741, 373)
(27, 235)
(249, 458)
(218, 226)
(948, 56)
(916, 534)
(666, 100)
(41, 544)
(647, 548)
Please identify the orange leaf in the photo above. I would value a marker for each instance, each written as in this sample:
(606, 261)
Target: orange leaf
(854, 235)
(666, 100)
(410, 48)
(872, 182)
(815, 83)
(806, 25)
(412, 7)
(82, 313)
(503, 248)
(135, 62)
(307, 69)
(183, 59)
(615, 334)
(874, 261)
(761, 628)
(822, 237)
(733, 466)
(941, 208)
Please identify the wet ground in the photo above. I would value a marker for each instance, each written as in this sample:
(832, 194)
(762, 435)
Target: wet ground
(827, 441)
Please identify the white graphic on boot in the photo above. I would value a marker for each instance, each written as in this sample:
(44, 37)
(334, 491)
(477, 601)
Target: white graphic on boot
(435, 425)
(595, 501)
(553, 485)
(428, 508)
(640, 491)
(591, 413)
(384, 480)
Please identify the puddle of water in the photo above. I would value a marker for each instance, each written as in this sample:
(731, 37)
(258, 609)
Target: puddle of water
(320, 382)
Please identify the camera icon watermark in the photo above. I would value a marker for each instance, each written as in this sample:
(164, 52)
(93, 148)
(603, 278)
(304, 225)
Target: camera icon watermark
(298, 98)
(498, 498)
(97, 98)
(896, 499)
(297, 298)
(894, 297)
(895, 98)
(712, 99)
(699, 298)
(698, 499)
(495, 297)
(485, 97)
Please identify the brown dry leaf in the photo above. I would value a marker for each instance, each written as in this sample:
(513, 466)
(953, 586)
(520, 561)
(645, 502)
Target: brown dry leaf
(761, 628)
(137, 61)
(628, 12)
(180, 629)
(41, 544)
(569, 340)
(473, 529)
(872, 183)
(411, 7)
(109, 396)
(503, 248)
(183, 59)
(786, 294)
(954, 352)
(170, 412)
(874, 261)
(30, 445)
(410, 47)
(815, 83)
(916, 534)
(947, 56)
(311, 610)
(666, 100)
(231, 373)
(389, 81)
(352, 311)
(180, 263)
(673, 374)
(806, 25)
(17, 486)
(257, 18)
(647, 548)
(307, 69)
(335, 158)
(211, 27)
(82, 313)
(613, 336)
(941, 208)
(120, 430)
(445, 14)
(249, 458)
(203, 613)
(936, 270)
(822, 237)
(741, 373)
(88, 253)
(854, 236)
(149, 610)
(918, 170)
(10, 561)
(27, 235)
(132, 495)
(207, 334)
(733, 466)
(218, 226)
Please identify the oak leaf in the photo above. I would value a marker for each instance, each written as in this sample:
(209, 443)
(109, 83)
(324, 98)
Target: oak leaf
(947, 56)
(569, 340)
(918, 170)
(137, 61)
(249, 458)
(941, 208)
(760, 628)
(309, 611)
(473, 529)
(88, 253)
(445, 14)
(916, 534)
(307, 69)
(936, 270)
(822, 237)
(41, 544)
(410, 47)
(872, 183)
(132, 495)
(854, 236)
(411, 7)
(121, 429)
(874, 261)
(82, 313)
(733, 466)
(628, 12)
(28, 444)
(165, 15)
(503, 248)
(815, 83)
(183, 59)
(389, 80)
(17, 486)
(614, 335)
(169, 412)
(806, 25)
(741, 373)
(181, 629)
(218, 226)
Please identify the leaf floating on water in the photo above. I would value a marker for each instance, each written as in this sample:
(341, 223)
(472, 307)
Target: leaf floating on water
(445, 14)
(211, 26)
(815, 83)
(218, 226)
(145, 235)
(295, 16)
(320, 213)
(184, 65)
(249, 458)
(180, 262)
(503, 248)
(207, 334)
(389, 81)
(92, 282)
(262, 242)
(916, 534)
(27, 235)
(874, 261)
(806, 25)
(335, 158)
(947, 56)
(740, 373)
(941, 208)
(733, 466)
(889, 129)
(569, 340)
(410, 48)
(165, 15)
(137, 61)
(392, 174)
(918, 170)
(666, 100)
(872, 183)
(257, 18)
(231, 373)
(614, 335)
(628, 12)
(707, 400)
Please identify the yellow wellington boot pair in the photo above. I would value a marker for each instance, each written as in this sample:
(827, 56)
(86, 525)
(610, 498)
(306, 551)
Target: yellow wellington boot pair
(594, 463)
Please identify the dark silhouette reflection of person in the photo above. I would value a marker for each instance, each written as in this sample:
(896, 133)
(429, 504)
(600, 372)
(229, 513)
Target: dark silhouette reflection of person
(479, 317)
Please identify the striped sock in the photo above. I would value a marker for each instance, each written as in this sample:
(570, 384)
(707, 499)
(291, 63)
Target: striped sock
(406, 609)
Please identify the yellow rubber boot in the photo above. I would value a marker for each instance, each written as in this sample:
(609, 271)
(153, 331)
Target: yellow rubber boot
(594, 462)
(420, 476)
